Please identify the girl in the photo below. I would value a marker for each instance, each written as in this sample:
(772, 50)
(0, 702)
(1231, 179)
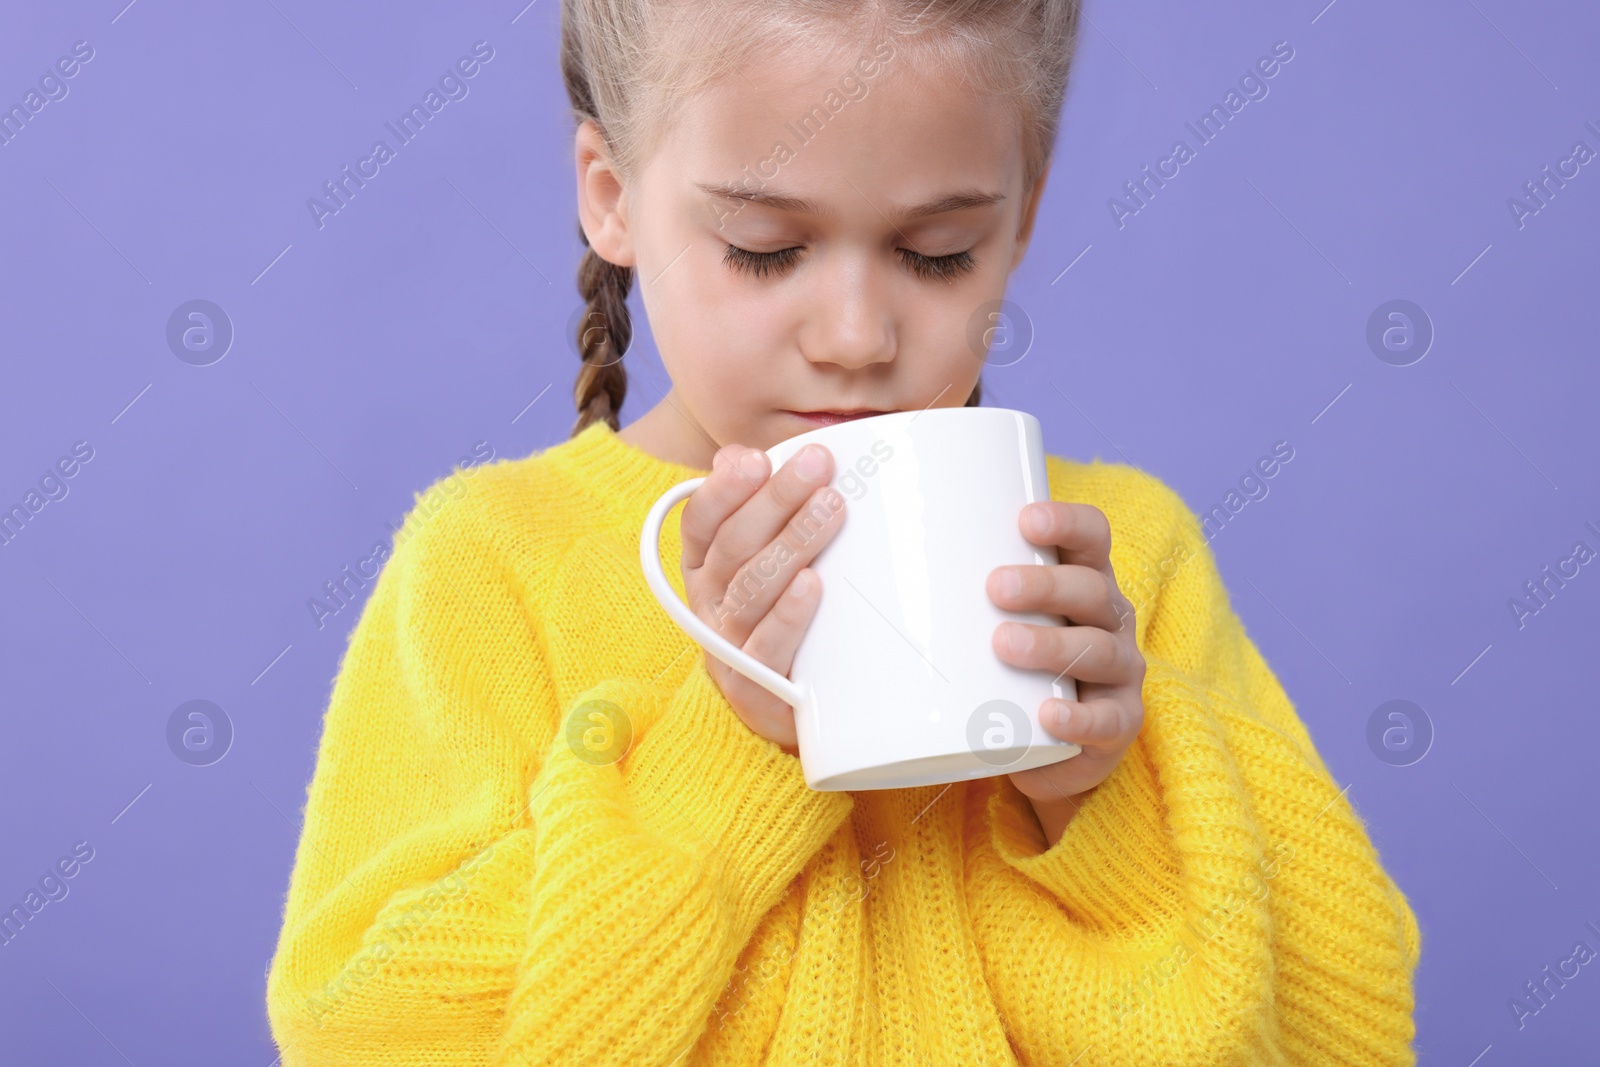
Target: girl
(544, 828)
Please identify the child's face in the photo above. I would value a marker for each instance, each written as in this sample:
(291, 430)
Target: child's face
(842, 318)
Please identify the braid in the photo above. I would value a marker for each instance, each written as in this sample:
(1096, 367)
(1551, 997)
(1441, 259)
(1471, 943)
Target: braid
(603, 336)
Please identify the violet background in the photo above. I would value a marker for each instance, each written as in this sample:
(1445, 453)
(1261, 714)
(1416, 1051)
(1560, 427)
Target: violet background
(1228, 314)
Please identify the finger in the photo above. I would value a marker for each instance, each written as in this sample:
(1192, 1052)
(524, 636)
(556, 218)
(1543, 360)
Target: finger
(1086, 653)
(1084, 595)
(1081, 533)
(757, 585)
(762, 711)
(759, 519)
(777, 636)
(736, 473)
(1065, 781)
(1103, 722)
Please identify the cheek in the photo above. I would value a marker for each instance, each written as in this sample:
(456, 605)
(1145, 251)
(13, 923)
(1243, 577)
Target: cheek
(956, 367)
(943, 323)
(700, 302)
(717, 378)
(940, 338)
(695, 371)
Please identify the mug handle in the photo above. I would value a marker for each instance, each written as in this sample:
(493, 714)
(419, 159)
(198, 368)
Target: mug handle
(655, 576)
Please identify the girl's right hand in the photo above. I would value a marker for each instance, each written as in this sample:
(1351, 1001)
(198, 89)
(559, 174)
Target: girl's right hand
(744, 567)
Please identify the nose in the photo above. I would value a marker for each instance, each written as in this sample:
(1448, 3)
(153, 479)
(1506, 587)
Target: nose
(852, 323)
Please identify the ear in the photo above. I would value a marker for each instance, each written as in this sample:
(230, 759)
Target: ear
(602, 200)
(1030, 211)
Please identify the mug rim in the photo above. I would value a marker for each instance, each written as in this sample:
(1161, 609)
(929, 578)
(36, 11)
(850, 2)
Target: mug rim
(800, 440)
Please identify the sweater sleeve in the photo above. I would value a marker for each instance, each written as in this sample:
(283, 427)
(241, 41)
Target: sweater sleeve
(1218, 881)
(491, 874)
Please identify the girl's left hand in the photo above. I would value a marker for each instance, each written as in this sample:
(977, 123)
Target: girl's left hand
(1096, 647)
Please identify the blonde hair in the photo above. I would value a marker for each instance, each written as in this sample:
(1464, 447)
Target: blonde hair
(630, 64)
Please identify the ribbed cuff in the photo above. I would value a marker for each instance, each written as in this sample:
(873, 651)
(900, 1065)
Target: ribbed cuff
(699, 776)
(1115, 858)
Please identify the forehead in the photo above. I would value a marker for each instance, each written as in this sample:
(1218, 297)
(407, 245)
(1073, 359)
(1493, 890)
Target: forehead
(817, 124)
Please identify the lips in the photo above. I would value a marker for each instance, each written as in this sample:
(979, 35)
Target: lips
(829, 418)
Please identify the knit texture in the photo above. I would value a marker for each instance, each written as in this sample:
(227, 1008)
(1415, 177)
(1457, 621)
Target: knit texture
(537, 833)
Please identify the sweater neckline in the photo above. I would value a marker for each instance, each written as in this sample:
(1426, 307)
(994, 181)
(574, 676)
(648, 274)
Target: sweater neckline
(620, 474)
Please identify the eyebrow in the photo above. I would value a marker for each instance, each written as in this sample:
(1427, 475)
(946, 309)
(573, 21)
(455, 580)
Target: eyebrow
(955, 201)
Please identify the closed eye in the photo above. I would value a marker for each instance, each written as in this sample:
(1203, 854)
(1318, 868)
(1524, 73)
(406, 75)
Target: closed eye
(760, 264)
(943, 267)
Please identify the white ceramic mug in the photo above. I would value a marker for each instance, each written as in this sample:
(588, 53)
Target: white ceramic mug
(896, 682)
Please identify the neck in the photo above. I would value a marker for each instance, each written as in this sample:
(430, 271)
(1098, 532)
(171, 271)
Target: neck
(667, 432)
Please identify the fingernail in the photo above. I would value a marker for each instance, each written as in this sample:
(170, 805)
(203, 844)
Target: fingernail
(811, 463)
(1061, 715)
(1038, 522)
(801, 584)
(753, 463)
(1020, 637)
(1010, 584)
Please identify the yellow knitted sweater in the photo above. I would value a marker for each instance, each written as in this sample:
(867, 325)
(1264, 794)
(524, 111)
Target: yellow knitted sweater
(537, 833)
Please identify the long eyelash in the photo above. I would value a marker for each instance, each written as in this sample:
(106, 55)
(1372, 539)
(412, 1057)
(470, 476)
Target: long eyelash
(760, 264)
(942, 267)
